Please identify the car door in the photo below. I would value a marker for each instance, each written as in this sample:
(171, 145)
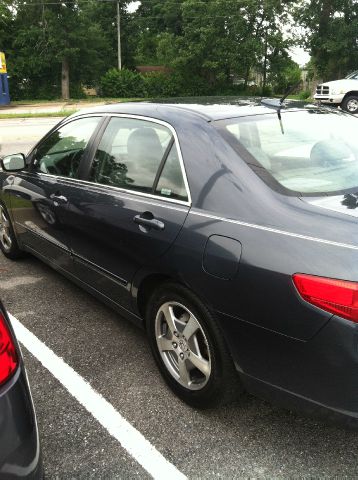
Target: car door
(132, 206)
(38, 196)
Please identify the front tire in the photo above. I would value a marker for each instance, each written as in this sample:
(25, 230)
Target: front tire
(8, 242)
(350, 104)
(189, 348)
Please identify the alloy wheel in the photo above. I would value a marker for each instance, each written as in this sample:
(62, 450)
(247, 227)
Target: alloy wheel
(5, 230)
(183, 345)
(352, 105)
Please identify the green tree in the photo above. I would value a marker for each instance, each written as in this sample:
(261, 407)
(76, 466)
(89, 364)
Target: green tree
(284, 74)
(5, 23)
(53, 43)
(331, 35)
(104, 14)
(212, 39)
(55, 46)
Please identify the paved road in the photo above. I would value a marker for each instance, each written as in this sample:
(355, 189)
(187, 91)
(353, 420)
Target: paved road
(250, 439)
(19, 135)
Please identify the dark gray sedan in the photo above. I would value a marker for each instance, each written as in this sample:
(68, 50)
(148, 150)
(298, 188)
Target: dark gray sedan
(20, 455)
(229, 232)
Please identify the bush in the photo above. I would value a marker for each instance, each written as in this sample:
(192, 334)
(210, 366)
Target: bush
(158, 84)
(126, 83)
(304, 95)
(191, 85)
(33, 90)
(76, 91)
(267, 91)
(122, 83)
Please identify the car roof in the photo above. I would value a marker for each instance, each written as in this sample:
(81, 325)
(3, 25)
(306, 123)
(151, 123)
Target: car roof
(208, 108)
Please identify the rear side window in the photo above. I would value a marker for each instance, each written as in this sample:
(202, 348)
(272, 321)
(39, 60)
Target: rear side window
(139, 155)
(61, 153)
(171, 182)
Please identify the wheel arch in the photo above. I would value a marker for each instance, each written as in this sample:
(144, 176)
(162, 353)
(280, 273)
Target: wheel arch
(147, 286)
(6, 204)
(348, 94)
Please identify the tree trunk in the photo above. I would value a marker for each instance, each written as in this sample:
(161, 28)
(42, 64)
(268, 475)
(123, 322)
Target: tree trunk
(65, 79)
(247, 75)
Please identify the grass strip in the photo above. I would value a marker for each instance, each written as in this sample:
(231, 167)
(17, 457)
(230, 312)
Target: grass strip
(60, 113)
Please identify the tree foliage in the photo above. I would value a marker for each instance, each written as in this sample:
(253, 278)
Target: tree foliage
(46, 37)
(331, 32)
(213, 39)
(5, 20)
(207, 45)
(43, 36)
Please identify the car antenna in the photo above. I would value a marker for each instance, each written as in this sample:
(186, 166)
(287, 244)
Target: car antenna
(289, 90)
(277, 104)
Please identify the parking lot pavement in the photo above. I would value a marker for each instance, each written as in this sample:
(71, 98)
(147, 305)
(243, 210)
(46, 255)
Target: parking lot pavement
(74, 444)
(246, 439)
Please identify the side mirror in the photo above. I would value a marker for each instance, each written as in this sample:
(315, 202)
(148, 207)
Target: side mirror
(13, 163)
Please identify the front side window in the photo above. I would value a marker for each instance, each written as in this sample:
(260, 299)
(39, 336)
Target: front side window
(137, 154)
(311, 152)
(61, 153)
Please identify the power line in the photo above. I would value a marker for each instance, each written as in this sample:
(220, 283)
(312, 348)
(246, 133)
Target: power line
(66, 2)
(144, 2)
(139, 17)
(145, 17)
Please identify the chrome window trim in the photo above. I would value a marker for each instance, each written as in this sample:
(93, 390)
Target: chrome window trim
(152, 120)
(65, 121)
(125, 193)
(274, 230)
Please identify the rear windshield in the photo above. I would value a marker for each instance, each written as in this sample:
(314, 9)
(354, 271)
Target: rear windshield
(309, 152)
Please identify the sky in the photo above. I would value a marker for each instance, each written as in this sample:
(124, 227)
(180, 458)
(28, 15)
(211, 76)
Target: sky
(132, 7)
(300, 56)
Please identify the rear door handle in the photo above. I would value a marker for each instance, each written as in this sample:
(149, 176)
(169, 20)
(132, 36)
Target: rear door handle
(58, 199)
(148, 223)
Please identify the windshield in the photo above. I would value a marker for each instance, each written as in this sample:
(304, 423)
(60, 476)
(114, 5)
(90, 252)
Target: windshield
(316, 154)
(353, 75)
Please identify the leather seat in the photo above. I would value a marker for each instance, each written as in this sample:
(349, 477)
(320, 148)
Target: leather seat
(144, 149)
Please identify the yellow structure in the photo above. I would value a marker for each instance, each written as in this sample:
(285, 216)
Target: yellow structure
(2, 63)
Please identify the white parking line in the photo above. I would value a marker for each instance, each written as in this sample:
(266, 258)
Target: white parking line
(130, 439)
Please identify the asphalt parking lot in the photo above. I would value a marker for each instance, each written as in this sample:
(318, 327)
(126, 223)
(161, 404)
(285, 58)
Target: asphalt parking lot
(248, 439)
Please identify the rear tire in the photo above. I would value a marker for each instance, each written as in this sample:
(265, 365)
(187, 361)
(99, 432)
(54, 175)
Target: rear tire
(8, 242)
(350, 104)
(189, 348)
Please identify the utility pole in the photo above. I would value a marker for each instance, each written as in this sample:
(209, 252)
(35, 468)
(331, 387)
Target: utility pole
(119, 36)
(265, 63)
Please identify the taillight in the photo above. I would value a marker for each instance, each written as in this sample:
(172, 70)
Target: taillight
(339, 297)
(8, 355)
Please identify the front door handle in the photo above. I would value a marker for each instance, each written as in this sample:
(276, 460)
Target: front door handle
(147, 222)
(58, 199)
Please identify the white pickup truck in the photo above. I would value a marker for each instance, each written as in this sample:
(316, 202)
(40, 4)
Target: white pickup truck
(343, 93)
